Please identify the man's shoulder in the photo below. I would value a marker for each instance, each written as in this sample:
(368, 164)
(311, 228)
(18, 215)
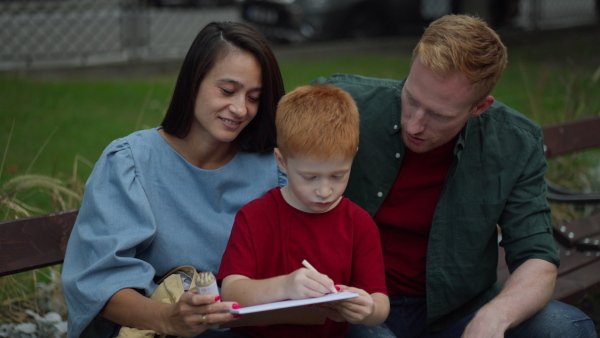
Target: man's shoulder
(341, 79)
(502, 118)
(373, 96)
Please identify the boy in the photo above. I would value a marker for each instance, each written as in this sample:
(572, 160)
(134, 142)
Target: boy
(317, 137)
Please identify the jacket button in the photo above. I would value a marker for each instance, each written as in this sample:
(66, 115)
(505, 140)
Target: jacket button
(397, 155)
(379, 194)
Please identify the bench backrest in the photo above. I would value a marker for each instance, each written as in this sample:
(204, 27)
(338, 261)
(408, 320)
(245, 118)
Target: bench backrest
(572, 136)
(34, 242)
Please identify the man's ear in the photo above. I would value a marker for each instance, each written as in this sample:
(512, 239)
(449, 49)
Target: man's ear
(279, 160)
(482, 106)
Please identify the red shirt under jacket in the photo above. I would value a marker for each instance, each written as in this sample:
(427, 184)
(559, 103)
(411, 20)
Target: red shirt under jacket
(405, 218)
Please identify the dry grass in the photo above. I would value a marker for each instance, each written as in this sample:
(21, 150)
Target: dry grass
(38, 290)
(26, 195)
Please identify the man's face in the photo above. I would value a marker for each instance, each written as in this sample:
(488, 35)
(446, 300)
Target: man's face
(435, 108)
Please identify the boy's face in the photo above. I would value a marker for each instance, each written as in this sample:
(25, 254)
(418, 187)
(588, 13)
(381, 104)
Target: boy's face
(314, 185)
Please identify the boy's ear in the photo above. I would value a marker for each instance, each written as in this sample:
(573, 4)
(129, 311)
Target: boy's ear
(279, 160)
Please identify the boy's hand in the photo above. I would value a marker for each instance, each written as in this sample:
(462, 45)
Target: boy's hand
(304, 283)
(353, 310)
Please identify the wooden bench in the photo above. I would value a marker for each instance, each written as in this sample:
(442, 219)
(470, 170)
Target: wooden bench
(34, 242)
(578, 241)
(40, 241)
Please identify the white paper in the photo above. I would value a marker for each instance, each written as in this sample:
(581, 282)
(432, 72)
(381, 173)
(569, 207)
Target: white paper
(297, 302)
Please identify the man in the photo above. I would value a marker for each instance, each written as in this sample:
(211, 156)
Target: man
(441, 166)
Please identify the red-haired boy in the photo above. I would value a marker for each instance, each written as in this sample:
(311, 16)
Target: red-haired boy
(317, 138)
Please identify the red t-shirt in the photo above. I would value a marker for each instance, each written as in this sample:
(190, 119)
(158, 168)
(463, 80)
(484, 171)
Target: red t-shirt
(405, 217)
(271, 238)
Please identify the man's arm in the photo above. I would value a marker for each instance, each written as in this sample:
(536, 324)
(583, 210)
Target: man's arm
(527, 290)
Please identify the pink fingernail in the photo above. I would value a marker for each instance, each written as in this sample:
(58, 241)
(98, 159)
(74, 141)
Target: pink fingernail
(235, 306)
(236, 316)
(338, 288)
(217, 298)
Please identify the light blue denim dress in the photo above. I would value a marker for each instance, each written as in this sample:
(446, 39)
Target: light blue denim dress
(147, 210)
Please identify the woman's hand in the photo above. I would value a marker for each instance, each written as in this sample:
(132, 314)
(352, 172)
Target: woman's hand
(128, 307)
(194, 314)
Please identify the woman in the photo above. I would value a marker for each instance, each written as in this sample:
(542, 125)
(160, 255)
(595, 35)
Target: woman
(166, 197)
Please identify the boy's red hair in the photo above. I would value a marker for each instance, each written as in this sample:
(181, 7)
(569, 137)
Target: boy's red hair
(319, 121)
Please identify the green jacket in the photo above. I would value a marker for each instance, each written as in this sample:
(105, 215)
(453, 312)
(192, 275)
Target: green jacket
(496, 178)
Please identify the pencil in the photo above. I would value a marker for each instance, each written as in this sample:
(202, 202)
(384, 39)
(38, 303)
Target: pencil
(310, 267)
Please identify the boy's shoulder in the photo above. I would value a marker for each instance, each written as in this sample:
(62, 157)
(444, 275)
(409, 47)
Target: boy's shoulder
(356, 212)
(268, 200)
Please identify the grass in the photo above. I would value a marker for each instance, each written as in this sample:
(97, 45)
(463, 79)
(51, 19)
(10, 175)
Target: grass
(74, 118)
(549, 78)
(38, 290)
(58, 126)
(77, 118)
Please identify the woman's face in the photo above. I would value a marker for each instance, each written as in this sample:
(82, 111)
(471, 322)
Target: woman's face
(228, 97)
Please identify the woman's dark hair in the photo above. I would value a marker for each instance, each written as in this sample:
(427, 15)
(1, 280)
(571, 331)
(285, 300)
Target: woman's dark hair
(211, 44)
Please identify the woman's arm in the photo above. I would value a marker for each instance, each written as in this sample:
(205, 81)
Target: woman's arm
(183, 318)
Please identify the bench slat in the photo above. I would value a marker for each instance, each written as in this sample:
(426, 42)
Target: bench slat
(572, 233)
(34, 242)
(578, 284)
(572, 259)
(572, 136)
(578, 274)
(589, 243)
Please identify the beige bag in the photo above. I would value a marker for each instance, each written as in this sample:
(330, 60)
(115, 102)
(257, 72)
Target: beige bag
(169, 291)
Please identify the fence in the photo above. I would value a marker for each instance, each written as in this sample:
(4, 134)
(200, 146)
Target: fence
(49, 33)
(84, 32)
